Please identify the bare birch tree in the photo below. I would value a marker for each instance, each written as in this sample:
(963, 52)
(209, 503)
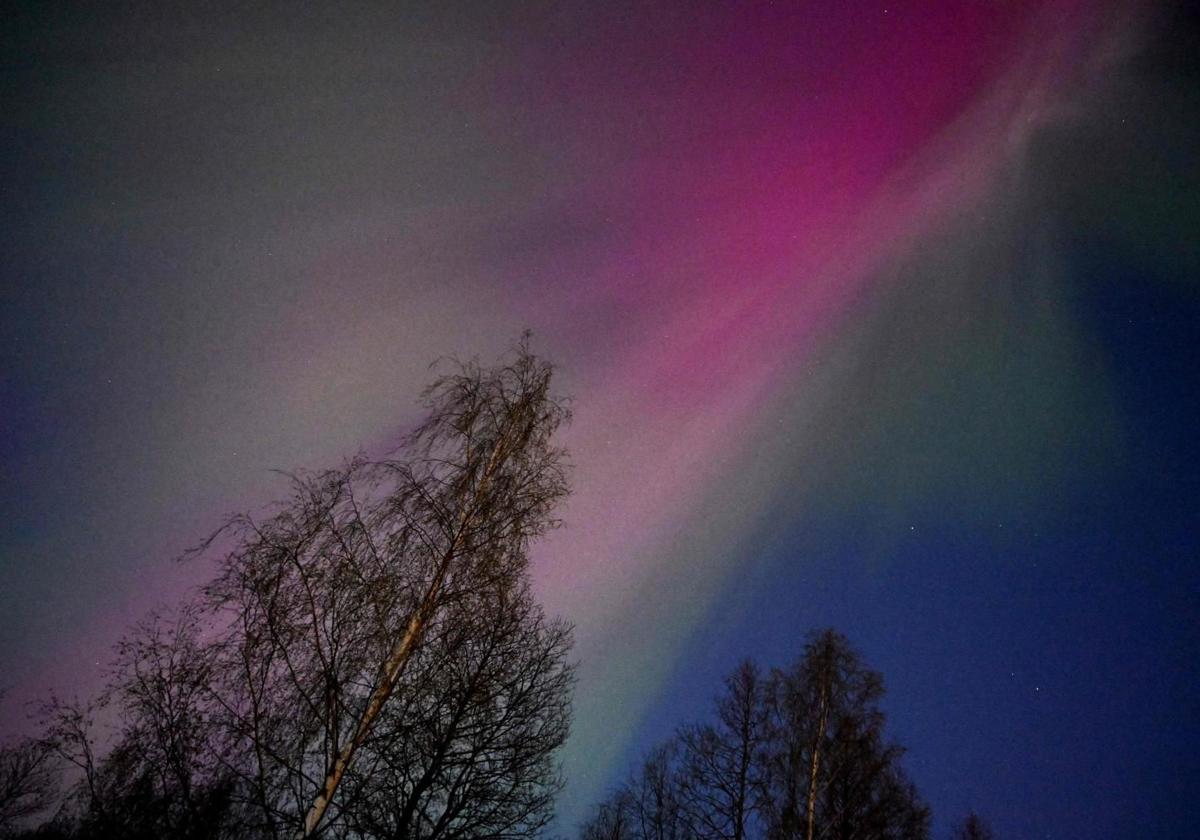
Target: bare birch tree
(367, 661)
(828, 771)
(324, 605)
(466, 749)
(799, 754)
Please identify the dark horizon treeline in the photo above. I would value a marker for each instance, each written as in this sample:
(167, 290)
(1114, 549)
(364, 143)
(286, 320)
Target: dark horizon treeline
(790, 754)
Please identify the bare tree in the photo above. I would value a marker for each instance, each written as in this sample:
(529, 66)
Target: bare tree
(828, 771)
(657, 807)
(647, 806)
(322, 607)
(466, 749)
(163, 776)
(367, 660)
(799, 754)
(139, 755)
(613, 819)
(161, 683)
(70, 735)
(720, 763)
(28, 783)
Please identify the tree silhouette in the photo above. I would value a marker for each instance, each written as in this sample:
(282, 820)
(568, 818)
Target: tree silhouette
(467, 748)
(799, 754)
(973, 827)
(647, 806)
(828, 772)
(613, 819)
(28, 782)
(326, 603)
(720, 778)
(367, 660)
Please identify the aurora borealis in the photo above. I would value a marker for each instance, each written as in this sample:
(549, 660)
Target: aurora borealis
(876, 315)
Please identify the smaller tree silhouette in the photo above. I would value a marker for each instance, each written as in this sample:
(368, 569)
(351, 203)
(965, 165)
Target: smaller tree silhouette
(367, 660)
(973, 827)
(828, 770)
(647, 806)
(798, 754)
(28, 783)
(720, 777)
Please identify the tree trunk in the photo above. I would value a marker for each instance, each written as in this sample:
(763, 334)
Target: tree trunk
(383, 690)
(816, 757)
(393, 668)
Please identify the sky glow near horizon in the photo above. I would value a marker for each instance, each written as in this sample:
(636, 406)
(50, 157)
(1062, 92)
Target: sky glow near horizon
(810, 274)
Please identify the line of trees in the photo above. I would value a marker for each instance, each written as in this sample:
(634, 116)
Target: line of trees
(794, 753)
(367, 662)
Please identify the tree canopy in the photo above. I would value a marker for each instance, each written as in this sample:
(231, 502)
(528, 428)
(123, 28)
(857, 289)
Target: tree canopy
(367, 661)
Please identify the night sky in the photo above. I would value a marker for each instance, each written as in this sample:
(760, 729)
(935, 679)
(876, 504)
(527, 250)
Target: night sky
(878, 315)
